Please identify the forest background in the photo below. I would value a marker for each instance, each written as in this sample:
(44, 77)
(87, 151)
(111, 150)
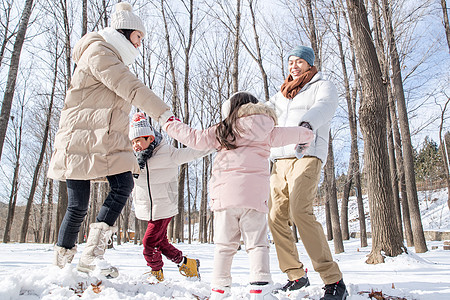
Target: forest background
(390, 61)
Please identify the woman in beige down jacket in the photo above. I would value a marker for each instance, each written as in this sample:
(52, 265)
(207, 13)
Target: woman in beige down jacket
(92, 140)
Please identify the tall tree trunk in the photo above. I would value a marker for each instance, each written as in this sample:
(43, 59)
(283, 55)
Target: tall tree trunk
(67, 46)
(37, 170)
(49, 214)
(61, 207)
(446, 24)
(348, 182)
(6, 35)
(13, 70)
(394, 177)
(179, 219)
(332, 198)
(39, 226)
(385, 235)
(258, 56)
(354, 135)
(15, 181)
(237, 38)
(23, 233)
(84, 18)
(379, 45)
(313, 35)
(136, 230)
(120, 232)
(328, 211)
(397, 81)
(189, 209)
(400, 172)
(203, 214)
(444, 152)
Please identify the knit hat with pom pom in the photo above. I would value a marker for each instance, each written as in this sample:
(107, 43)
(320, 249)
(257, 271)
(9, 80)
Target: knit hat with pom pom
(140, 127)
(124, 18)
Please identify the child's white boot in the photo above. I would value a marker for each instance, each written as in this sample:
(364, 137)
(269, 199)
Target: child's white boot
(261, 291)
(220, 292)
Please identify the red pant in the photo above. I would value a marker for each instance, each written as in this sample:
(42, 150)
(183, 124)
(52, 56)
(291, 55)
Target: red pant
(156, 243)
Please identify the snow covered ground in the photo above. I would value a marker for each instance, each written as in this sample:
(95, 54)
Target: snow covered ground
(26, 272)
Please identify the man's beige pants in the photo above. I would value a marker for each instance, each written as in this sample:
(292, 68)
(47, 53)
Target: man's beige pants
(293, 185)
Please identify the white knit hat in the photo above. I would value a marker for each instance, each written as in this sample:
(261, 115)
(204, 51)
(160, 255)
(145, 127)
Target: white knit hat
(140, 127)
(123, 18)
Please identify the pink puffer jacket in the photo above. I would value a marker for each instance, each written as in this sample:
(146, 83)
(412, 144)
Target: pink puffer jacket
(240, 177)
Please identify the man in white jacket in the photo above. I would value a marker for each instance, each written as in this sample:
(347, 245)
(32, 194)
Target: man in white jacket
(305, 99)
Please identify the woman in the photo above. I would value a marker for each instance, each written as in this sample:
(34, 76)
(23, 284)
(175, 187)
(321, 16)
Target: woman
(92, 140)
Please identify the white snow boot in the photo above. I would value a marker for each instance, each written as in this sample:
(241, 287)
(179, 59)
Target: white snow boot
(63, 256)
(100, 235)
(261, 291)
(220, 292)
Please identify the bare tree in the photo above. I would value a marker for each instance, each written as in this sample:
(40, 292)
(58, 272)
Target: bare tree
(237, 38)
(15, 181)
(23, 233)
(385, 234)
(38, 227)
(49, 215)
(257, 57)
(7, 33)
(443, 146)
(13, 70)
(354, 134)
(446, 24)
(84, 20)
(397, 82)
(332, 198)
(383, 60)
(203, 225)
(348, 182)
(313, 35)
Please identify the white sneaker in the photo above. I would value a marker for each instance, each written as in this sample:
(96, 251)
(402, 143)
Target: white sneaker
(261, 292)
(220, 292)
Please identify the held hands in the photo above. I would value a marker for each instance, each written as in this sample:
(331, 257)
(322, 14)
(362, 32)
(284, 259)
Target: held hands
(301, 148)
(173, 118)
(166, 117)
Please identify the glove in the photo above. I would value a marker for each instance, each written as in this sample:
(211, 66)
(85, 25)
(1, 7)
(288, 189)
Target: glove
(305, 124)
(300, 148)
(173, 118)
(167, 116)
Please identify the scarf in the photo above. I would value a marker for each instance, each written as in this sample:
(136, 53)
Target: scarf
(291, 87)
(125, 48)
(144, 155)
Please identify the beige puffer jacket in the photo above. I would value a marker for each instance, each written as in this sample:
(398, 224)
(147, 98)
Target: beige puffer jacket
(92, 140)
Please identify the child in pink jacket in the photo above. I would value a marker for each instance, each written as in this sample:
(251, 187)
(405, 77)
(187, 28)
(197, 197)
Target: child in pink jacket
(239, 185)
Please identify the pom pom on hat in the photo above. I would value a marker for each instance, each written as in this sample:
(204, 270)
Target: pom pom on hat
(124, 18)
(303, 52)
(140, 127)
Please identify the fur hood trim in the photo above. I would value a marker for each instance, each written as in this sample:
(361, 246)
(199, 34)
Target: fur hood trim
(257, 109)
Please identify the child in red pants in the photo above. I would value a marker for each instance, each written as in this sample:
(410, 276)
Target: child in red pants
(155, 194)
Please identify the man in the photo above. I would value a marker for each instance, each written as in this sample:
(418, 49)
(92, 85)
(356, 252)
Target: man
(305, 99)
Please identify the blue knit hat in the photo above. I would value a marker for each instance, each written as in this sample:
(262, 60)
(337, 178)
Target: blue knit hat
(303, 52)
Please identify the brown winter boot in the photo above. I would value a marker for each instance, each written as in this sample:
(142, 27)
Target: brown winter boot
(92, 257)
(189, 267)
(159, 275)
